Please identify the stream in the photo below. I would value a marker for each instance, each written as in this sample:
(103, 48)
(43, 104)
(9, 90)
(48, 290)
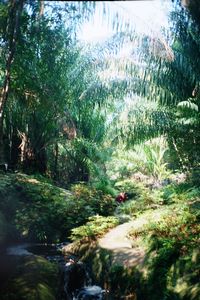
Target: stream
(76, 283)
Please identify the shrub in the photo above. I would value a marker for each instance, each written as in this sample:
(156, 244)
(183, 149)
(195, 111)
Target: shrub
(100, 203)
(32, 277)
(48, 213)
(95, 227)
(106, 188)
(171, 243)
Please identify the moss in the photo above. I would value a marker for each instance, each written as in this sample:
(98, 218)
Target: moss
(9, 203)
(34, 279)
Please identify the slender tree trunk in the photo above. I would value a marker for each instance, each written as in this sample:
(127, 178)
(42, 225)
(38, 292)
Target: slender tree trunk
(41, 161)
(23, 147)
(41, 8)
(56, 161)
(15, 11)
(181, 161)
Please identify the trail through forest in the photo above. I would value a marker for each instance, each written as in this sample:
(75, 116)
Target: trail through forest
(125, 251)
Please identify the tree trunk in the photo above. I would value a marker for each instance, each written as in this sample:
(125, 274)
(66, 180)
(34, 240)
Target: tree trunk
(56, 161)
(15, 11)
(183, 166)
(41, 161)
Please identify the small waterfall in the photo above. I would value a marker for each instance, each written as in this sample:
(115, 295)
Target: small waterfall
(78, 284)
(89, 293)
(75, 281)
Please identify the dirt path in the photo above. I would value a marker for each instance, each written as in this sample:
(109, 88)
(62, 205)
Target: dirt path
(125, 252)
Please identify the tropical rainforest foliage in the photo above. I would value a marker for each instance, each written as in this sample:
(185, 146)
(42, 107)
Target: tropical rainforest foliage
(58, 96)
(80, 123)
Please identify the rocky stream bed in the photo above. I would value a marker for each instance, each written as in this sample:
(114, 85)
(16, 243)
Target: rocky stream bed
(73, 278)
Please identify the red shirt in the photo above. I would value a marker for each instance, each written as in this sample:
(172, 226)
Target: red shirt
(121, 197)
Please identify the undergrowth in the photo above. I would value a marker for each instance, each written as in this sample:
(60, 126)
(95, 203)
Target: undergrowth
(172, 244)
(94, 228)
(35, 209)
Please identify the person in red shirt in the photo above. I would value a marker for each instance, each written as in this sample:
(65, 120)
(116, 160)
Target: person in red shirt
(122, 197)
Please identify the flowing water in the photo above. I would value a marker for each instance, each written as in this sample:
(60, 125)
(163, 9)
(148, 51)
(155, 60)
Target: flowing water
(76, 283)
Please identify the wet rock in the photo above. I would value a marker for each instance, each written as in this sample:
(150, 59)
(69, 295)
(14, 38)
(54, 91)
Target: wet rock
(4, 167)
(19, 250)
(90, 293)
(75, 277)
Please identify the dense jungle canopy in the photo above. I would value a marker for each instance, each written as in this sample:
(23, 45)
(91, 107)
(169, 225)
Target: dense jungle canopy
(84, 121)
(62, 100)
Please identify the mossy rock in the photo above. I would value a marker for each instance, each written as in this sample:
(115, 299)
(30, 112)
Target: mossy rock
(32, 278)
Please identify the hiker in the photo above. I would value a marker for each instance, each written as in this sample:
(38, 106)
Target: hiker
(122, 197)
